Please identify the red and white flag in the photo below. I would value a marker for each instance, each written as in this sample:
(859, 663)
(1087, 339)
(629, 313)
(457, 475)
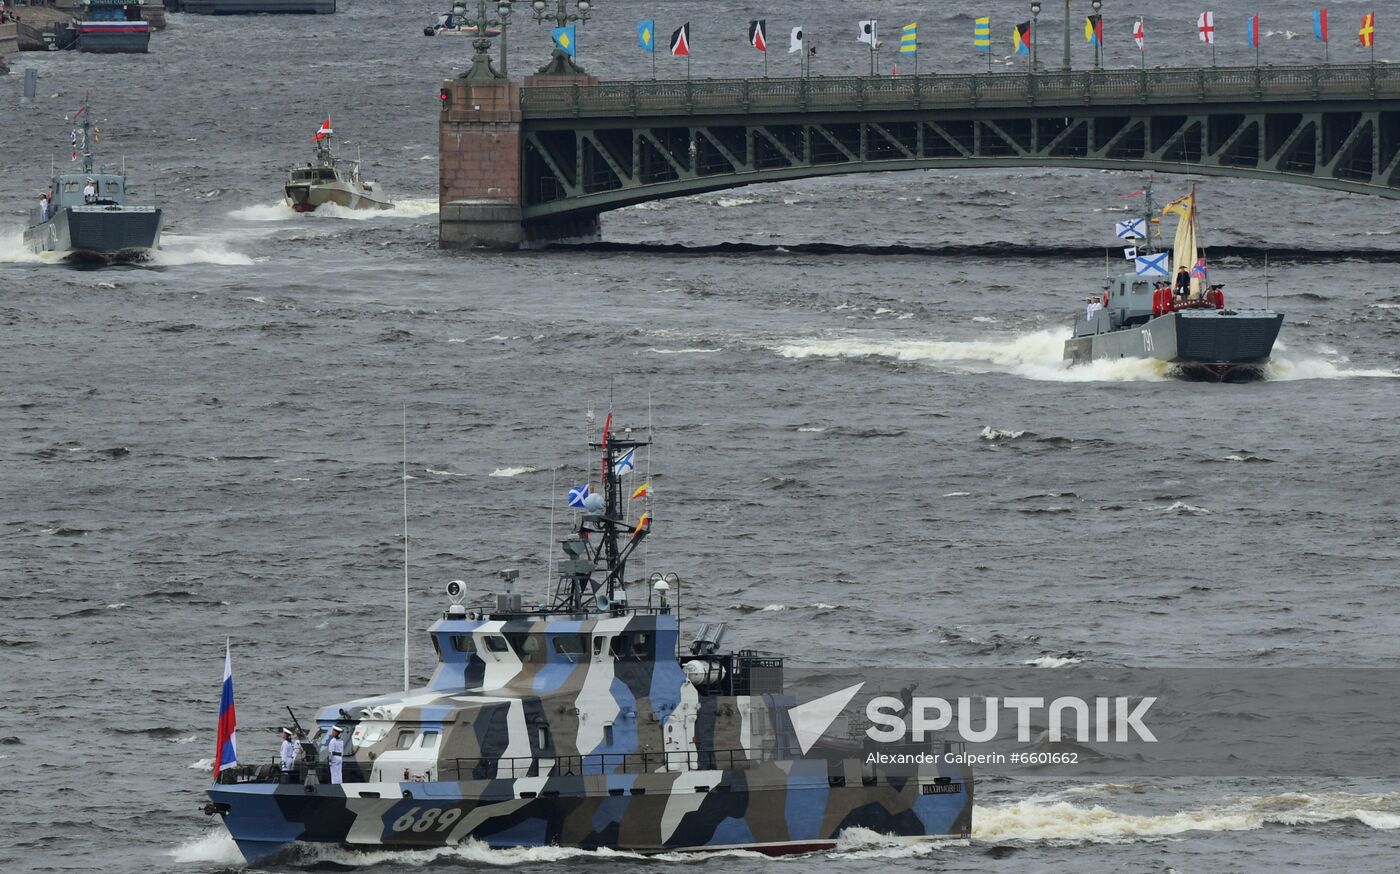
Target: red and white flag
(1139, 33)
(758, 34)
(324, 131)
(680, 40)
(1205, 27)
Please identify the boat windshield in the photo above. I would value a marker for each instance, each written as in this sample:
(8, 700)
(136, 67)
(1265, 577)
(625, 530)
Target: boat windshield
(316, 174)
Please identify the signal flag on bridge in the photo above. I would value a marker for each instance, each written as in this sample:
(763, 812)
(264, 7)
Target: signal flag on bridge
(646, 35)
(795, 43)
(1021, 38)
(1139, 33)
(564, 38)
(1252, 37)
(1093, 30)
(758, 36)
(1205, 27)
(982, 34)
(1368, 31)
(680, 41)
(1320, 24)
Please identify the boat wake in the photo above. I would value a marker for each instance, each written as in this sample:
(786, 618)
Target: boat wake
(178, 250)
(414, 207)
(1039, 356)
(1064, 822)
(13, 250)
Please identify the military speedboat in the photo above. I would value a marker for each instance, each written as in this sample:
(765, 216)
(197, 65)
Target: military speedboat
(585, 721)
(331, 179)
(1174, 317)
(87, 216)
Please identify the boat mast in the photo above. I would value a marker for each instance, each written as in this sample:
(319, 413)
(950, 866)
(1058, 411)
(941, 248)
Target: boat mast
(87, 134)
(599, 544)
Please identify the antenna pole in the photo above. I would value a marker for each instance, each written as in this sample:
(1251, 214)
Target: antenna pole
(549, 544)
(1266, 279)
(405, 547)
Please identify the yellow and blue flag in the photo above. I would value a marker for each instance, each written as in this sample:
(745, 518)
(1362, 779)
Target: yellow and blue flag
(646, 35)
(909, 39)
(1093, 30)
(982, 34)
(564, 40)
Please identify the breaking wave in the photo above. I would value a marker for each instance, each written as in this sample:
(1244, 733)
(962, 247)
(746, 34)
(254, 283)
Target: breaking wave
(1283, 367)
(13, 250)
(511, 471)
(214, 846)
(1063, 822)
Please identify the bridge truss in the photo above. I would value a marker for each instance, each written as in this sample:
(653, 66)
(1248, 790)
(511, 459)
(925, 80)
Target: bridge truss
(588, 149)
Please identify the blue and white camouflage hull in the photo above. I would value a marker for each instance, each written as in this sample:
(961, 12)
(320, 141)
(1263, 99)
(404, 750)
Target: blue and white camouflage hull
(777, 807)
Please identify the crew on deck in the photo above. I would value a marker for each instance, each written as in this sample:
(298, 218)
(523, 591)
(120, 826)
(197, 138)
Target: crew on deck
(1183, 282)
(289, 756)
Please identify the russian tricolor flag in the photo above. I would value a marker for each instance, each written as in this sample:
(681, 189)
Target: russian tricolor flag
(226, 747)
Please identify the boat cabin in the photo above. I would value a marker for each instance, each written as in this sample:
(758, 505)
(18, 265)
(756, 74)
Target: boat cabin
(1126, 301)
(313, 175)
(70, 191)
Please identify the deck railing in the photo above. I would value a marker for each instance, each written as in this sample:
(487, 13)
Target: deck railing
(946, 91)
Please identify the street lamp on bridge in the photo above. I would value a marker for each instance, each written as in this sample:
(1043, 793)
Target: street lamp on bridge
(1035, 30)
(560, 62)
(482, 25)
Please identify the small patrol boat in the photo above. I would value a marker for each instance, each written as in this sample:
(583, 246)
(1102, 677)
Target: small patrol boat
(584, 721)
(332, 179)
(87, 217)
(113, 26)
(1145, 314)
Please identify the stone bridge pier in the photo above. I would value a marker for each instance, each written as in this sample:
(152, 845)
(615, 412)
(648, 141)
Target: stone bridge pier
(480, 168)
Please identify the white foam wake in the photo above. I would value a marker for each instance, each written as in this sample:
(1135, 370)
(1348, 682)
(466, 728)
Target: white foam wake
(279, 211)
(178, 250)
(1038, 355)
(213, 846)
(1061, 821)
(13, 250)
(1284, 367)
(511, 471)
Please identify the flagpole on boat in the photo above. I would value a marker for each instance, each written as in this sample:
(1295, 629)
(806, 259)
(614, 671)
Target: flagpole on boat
(405, 547)
(549, 544)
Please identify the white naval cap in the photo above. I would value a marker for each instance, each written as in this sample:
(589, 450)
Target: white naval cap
(335, 728)
(286, 731)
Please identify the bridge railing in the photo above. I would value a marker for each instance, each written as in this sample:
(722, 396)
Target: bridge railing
(1076, 88)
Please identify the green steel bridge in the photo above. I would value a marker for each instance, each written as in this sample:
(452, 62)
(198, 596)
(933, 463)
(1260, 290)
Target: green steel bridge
(589, 148)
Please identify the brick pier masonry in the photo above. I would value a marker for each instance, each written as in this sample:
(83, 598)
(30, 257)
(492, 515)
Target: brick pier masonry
(480, 168)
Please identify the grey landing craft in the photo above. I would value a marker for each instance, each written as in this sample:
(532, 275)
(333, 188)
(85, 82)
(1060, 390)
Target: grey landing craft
(580, 722)
(331, 179)
(1184, 322)
(88, 217)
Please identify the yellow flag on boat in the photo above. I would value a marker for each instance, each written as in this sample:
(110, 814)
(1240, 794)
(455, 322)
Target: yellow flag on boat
(1182, 206)
(642, 525)
(643, 491)
(1184, 247)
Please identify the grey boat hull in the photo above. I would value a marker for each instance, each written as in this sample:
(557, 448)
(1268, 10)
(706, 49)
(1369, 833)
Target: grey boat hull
(256, 7)
(103, 234)
(306, 198)
(1210, 344)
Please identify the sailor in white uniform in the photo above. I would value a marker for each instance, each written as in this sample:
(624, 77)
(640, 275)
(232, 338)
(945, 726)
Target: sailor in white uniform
(335, 752)
(289, 755)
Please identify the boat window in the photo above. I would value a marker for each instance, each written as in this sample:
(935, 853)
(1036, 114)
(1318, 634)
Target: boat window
(641, 644)
(570, 644)
(608, 734)
(463, 643)
(437, 647)
(113, 188)
(618, 647)
(598, 645)
(70, 186)
(430, 739)
(530, 645)
(542, 737)
(405, 739)
(496, 643)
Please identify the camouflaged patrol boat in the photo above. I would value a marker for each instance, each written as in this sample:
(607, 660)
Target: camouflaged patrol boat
(1194, 331)
(581, 723)
(331, 179)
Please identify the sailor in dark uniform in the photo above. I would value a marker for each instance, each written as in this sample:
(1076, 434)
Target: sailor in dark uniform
(335, 753)
(1183, 281)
